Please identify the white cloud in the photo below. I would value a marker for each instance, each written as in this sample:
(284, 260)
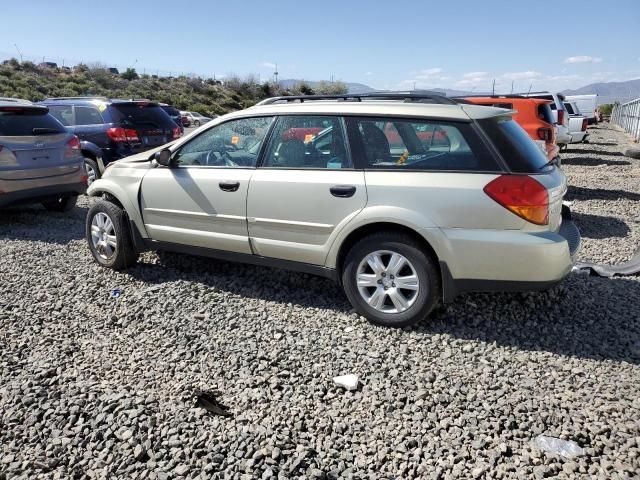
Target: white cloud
(429, 73)
(368, 74)
(582, 59)
(475, 75)
(270, 65)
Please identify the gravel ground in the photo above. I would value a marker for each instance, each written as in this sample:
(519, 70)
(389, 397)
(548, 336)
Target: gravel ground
(97, 387)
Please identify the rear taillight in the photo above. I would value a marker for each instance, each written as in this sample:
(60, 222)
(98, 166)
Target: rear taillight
(560, 117)
(521, 195)
(123, 135)
(585, 122)
(72, 148)
(7, 157)
(177, 133)
(545, 134)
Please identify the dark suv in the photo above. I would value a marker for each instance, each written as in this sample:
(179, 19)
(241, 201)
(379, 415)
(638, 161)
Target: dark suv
(112, 129)
(175, 115)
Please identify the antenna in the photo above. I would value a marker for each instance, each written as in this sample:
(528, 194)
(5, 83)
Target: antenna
(19, 52)
(530, 86)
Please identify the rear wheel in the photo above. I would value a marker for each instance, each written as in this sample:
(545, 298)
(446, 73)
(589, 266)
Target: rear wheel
(93, 172)
(61, 204)
(390, 280)
(109, 237)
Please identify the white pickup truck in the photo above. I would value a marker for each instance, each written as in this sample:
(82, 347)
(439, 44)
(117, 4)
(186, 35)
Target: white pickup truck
(587, 105)
(577, 123)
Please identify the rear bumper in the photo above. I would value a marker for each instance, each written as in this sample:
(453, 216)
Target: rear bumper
(34, 195)
(491, 261)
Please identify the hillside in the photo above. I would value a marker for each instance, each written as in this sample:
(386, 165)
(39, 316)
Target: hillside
(609, 92)
(352, 87)
(208, 96)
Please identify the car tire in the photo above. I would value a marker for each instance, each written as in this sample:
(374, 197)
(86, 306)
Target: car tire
(64, 203)
(416, 302)
(196, 123)
(632, 153)
(93, 172)
(110, 241)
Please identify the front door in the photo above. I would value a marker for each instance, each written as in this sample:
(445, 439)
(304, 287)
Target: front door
(305, 191)
(202, 200)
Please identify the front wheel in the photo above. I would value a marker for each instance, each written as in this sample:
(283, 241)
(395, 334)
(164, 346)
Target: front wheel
(390, 280)
(108, 236)
(61, 204)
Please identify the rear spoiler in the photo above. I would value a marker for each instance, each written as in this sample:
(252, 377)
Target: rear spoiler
(32, 109)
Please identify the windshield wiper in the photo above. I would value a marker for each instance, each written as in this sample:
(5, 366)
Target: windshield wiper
(549, 163)
(45, 131)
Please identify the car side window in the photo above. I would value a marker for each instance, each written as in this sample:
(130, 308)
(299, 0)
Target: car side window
(62, 113)
(233, 144)
(399, 144)
(308, 141)
(88, 116)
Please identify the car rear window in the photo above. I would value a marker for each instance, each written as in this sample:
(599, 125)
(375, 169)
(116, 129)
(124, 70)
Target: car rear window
(545, 113)
(142, 115)
(569, 109)
(171, 111)
(520, 153)
(24, 123)
(404, 144)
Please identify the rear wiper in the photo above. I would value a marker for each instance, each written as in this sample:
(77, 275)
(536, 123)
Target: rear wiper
(45, 131)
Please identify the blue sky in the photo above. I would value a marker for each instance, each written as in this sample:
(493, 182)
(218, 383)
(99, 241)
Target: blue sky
(391, 45)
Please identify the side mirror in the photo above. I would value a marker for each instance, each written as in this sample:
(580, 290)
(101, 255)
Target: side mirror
(163, 157)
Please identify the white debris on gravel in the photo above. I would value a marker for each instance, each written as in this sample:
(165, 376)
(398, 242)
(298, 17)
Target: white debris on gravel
(96, 388)
(349, 382)
(557, 446)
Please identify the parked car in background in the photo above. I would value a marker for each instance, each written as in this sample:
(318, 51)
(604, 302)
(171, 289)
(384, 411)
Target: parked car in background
(186, 121)
(111, 129)
(577, 123)
(196, 119)
(587, 104)
(532, 114)
(406, 200)
(560, 116)
(40, 161)
(175, 115)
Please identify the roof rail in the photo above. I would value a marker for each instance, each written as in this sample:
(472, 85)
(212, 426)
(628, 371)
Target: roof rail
(88, 97)
(408, 97)
(21, 101)
(506, 95)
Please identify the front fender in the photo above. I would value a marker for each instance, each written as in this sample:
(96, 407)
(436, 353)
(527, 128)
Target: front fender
(126, 192)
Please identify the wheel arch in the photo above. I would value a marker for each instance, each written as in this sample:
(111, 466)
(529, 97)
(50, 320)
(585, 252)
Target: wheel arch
(116, 194)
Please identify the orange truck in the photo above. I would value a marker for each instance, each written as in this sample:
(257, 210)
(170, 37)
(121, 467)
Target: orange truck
(533, 115)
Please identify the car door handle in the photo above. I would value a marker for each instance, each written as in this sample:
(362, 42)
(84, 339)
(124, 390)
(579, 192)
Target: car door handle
(229, 186)
(343, 191)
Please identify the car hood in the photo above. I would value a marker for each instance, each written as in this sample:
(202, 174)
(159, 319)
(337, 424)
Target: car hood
(138, 158)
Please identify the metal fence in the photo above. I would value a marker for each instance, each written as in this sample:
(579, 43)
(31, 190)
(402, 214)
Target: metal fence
(627, 116)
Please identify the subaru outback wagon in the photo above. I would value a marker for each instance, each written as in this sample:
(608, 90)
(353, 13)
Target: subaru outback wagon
(405, 200)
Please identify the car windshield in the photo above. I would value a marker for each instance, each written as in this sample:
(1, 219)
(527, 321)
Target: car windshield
(143, 115)
(21, 123)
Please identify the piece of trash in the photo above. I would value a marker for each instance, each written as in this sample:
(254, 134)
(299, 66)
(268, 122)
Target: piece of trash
(348, 382)
(155, 288)
(208, 401)
(116, 292)
(564, 448)
(474, 305)
(348, 329)
(567, 203)
(580, 271)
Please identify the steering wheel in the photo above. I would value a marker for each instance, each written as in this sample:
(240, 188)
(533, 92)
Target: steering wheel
(213, 161)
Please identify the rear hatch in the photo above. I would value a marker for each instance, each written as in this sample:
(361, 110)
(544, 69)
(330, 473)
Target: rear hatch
(523, 157)
(35, 145)
(146, 125)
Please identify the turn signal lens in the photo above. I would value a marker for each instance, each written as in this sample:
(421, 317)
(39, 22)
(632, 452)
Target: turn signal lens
(522, 195)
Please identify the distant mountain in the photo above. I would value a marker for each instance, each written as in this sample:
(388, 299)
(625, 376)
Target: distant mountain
(609, 92)
(353, 87)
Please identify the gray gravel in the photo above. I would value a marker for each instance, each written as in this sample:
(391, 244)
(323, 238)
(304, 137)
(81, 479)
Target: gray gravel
(96, 387)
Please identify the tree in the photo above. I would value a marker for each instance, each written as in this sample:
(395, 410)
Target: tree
(129, 74)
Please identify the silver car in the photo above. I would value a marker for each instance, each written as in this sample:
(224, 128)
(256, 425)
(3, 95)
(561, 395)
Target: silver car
(39, 160)
(406, 200)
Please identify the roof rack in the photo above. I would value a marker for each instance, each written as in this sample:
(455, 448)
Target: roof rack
(505, 95)
(88, 97)
(407, 97)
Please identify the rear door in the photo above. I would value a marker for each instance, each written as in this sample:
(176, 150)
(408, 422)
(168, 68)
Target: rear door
(33, 146)
(305, 191)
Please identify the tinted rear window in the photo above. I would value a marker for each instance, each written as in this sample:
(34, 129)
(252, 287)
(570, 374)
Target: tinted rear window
(544, 112)
(171, 111)
(569, 108)
(142, 116)
(520, 153)
(21, 124)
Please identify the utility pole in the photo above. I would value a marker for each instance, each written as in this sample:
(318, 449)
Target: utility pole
(275, 75)
(19, 52)
(511, 86)
(493, 88)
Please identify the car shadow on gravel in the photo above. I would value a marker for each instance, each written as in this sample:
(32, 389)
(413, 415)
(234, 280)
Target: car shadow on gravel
(584, 317)
(593, 161)
(587, 151)
(583, 193)
(600, 226)
(32, 222)
(259, 282)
